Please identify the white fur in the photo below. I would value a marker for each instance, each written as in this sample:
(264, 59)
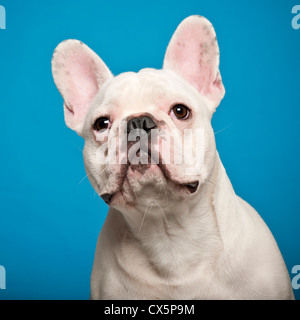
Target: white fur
(160, 241)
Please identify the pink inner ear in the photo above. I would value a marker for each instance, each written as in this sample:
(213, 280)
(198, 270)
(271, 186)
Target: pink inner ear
(197, 59)
(78, 74)
(81, 83)
(193, 53)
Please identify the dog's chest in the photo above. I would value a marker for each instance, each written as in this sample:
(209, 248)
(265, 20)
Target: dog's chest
(205, 286)
(136, 279)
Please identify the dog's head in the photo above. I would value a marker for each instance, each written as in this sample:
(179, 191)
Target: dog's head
(148, 135)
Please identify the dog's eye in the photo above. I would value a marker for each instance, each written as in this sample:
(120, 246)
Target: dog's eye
(180, 111)
(101, 124)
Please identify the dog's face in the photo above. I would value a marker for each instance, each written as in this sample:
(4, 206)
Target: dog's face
(148, 136)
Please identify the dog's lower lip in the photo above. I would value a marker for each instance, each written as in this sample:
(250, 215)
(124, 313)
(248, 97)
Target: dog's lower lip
(192, 187)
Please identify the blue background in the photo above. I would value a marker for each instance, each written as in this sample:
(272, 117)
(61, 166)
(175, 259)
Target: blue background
(49, 221)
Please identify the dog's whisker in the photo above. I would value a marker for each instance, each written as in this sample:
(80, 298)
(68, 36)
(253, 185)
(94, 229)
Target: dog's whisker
(160, 190)
(87, 175)
(164, 216)
(158, 186)
(102, 171)
(144, 216)
(223, 129)
(209, 181)
(134, 193)
(83, 179)
(78, 147)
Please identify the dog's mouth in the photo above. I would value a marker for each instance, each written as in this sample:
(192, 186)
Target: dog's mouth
(186, 187)
(107, 197)
(190, 187)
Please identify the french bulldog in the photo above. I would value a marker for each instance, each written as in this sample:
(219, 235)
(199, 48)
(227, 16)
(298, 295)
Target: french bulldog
(170, 232)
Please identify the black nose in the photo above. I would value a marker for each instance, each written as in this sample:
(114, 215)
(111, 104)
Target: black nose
(143, 122)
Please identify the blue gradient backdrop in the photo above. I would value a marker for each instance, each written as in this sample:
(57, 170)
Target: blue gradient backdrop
(49, 222)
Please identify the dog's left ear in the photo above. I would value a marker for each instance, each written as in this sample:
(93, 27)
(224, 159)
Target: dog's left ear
(193, 54)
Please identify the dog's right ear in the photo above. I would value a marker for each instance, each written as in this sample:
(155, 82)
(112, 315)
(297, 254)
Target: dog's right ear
(193, 53)
(78, 73)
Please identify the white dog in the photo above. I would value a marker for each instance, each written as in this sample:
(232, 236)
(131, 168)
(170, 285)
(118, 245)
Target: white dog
(170, 233)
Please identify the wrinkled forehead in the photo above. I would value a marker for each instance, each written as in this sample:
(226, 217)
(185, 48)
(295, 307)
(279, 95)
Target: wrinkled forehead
(148, 86)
